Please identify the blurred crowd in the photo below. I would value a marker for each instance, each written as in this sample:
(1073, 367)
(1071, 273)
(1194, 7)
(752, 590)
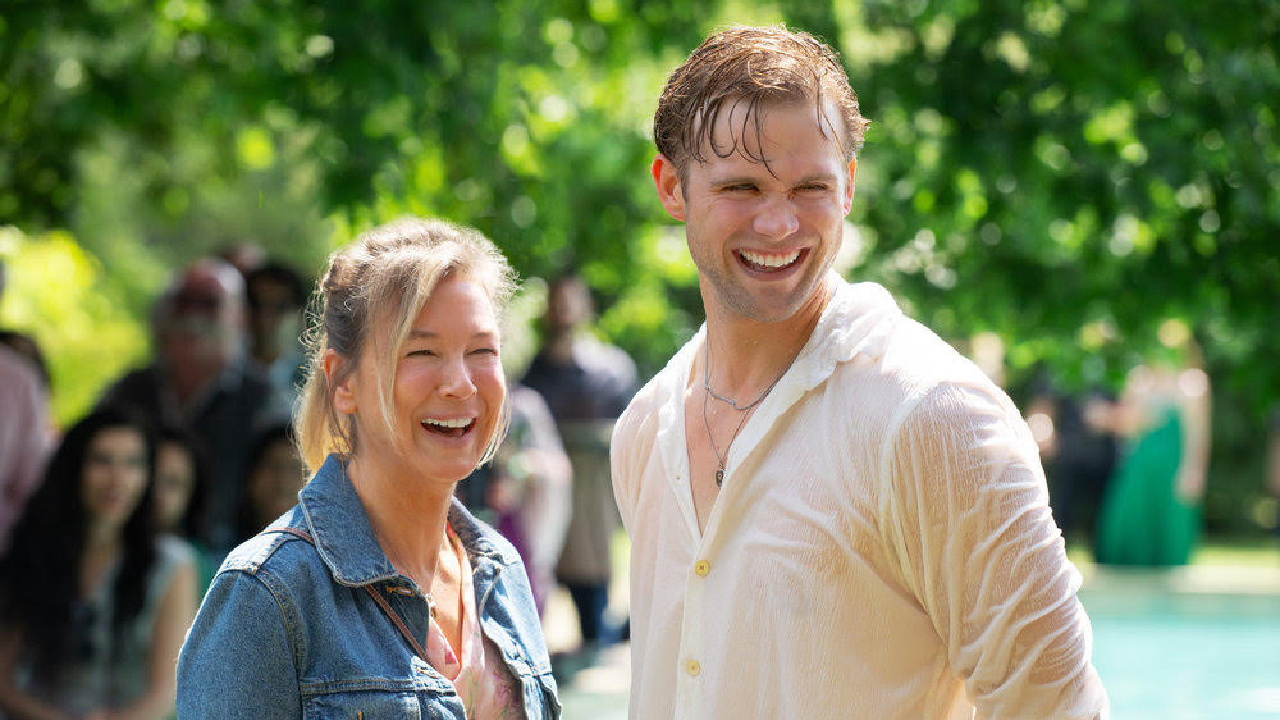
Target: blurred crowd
(111, 528)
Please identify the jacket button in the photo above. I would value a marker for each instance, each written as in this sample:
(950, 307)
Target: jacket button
(693, 667)
(702, 568)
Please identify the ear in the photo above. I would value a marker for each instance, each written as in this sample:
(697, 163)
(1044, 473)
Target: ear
(666, 179)
(344, 397)
(848, 188)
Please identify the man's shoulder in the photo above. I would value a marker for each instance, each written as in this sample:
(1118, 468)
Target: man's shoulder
(139, 386)
(642, 413)
(643, 407)
(915, 354)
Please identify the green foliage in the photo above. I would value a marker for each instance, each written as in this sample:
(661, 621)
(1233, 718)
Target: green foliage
(1065, 173)
(60, 295)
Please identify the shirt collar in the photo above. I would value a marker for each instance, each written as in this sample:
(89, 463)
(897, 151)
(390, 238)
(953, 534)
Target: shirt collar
(857, 320)
(345, 539)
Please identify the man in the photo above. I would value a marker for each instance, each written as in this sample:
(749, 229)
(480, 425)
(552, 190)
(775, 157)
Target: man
(201, 381)
(833, 514)
(586, 384)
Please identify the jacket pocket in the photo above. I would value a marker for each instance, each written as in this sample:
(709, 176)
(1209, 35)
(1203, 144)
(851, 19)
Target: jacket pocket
(363, 705)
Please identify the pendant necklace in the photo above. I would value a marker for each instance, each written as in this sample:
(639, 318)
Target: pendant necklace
(744, 409)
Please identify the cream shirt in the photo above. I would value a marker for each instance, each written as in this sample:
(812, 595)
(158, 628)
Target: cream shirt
(882, 547)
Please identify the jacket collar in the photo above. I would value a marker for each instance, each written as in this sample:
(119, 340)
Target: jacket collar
(345, 540)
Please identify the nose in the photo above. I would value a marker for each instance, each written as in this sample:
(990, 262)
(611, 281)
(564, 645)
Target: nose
(777, 218)
(455, 380)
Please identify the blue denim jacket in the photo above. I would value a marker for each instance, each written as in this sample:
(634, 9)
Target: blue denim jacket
(287, 629)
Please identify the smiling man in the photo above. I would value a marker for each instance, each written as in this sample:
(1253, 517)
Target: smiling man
(833, 514)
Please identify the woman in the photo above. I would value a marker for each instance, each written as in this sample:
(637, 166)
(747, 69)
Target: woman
(93, 605)
(181, 492)
(1150, 515)
(273, 476)
(378, 596)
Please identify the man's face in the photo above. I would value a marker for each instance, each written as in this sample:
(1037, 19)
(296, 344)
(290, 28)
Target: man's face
(568, 306)
(763, 237)
(203, 321)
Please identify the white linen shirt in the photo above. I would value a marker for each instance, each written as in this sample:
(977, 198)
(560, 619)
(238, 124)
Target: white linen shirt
(882, 547)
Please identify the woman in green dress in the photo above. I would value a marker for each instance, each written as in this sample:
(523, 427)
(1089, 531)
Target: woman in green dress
(1150, 515)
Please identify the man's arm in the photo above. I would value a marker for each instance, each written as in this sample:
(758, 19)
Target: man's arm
(986, 561)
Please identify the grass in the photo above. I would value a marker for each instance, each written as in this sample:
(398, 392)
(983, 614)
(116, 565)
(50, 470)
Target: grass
(1232, 553)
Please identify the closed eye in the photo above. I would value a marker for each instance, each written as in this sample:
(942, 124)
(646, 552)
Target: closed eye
(813, 187)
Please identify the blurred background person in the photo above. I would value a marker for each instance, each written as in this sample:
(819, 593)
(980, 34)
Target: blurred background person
(273, 476)
(93, 604)
(200, 380)
(587, 384)
(243, 256)
(1079, 451)
(24, 438)
(526, 489)
(1150, 515)
(28, 347)
(1273, 460)
(276, 296)
(181, 495)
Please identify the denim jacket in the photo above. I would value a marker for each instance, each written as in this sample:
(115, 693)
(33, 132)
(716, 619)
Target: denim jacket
(287, 629)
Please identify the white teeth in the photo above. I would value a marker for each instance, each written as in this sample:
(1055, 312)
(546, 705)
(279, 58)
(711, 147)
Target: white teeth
(451, 424)
(770, 261)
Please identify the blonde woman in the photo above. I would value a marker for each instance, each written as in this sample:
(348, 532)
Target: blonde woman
(379, 595)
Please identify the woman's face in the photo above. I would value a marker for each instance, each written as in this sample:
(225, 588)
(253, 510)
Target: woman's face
(275, 481)
(448, 392)
(115, 476)
(175, 479)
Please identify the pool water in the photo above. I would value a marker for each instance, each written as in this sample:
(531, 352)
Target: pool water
(1171, 655)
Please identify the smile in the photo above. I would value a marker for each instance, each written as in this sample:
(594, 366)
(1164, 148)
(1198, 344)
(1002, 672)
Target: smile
(769, 262)
(454, 427)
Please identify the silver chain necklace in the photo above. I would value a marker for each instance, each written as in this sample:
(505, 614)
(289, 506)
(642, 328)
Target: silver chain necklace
(706, 385)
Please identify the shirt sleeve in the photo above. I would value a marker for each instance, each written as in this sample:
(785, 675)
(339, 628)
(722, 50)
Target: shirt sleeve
(238, 661)
(631, 438)
(969, 517)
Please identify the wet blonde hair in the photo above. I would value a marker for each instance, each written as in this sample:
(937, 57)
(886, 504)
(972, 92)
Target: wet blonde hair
(383, 280)
(752, 67)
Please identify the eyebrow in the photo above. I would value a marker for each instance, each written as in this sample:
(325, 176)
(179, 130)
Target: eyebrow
(415, 334)
(738, 179)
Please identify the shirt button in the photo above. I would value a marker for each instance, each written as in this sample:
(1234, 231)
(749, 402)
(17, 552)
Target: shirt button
(702, 568)
(693, 667)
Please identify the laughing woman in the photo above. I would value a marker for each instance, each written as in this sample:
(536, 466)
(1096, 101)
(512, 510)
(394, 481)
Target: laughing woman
(379, 595)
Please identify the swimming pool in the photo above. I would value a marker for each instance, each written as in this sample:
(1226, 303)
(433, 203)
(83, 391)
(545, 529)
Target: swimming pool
(1169, 649)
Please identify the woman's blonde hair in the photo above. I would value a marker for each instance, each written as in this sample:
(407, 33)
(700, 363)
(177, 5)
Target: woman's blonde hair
(383, 279)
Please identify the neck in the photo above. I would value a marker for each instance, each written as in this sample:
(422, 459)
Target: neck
(408, 515)
(560, 346)
(747, 356)
(102, 539)
(189, 381)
